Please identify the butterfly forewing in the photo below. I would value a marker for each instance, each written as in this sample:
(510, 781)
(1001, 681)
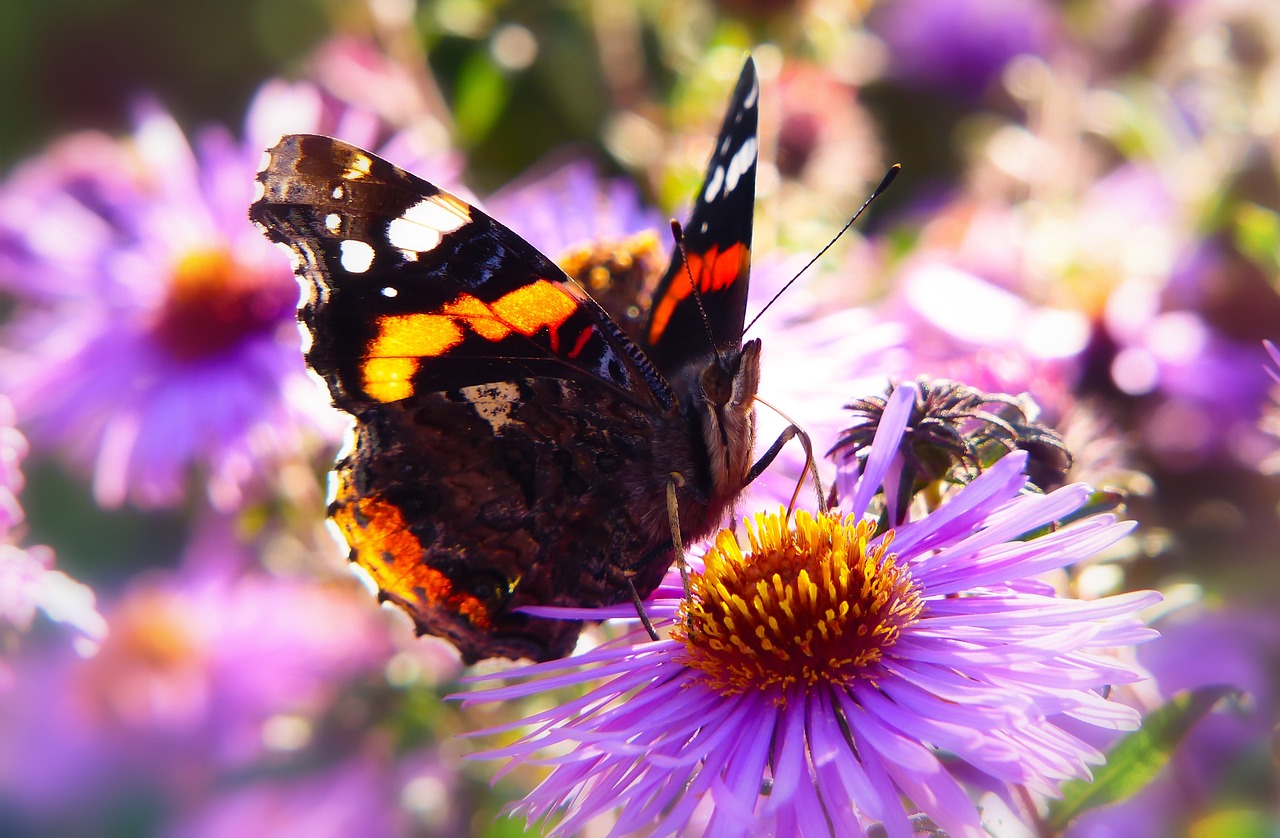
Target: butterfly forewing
(412, 288)
(717, 240)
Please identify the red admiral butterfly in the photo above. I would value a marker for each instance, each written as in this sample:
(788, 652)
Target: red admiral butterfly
(512, 446)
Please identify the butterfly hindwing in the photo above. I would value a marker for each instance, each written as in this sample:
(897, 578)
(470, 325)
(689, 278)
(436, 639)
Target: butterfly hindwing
(717, 240)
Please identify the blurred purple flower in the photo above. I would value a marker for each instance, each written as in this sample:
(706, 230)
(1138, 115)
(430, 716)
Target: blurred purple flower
(1239, 646)
(360, 75)
(960, 46)
(970, 329)
(208, 671)
(560, 207)
(815, 358)
(13, 449)
(156, 325)
(363, 794)
(1206, 392)
(1270, 421)
(28, 582)
(835, 671)
(351, 797)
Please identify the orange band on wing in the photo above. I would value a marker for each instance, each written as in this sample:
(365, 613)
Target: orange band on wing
(382, 544)
(713, 271)
(391, 359)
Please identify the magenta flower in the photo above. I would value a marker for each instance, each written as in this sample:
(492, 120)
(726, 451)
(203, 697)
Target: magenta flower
(811, 685)
(157, 326)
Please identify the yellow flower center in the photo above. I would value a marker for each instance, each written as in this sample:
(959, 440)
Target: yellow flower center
(213, 304)
(808, 604)
(620, 275)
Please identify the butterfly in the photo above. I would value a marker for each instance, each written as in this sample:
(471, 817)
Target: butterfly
(512, 446)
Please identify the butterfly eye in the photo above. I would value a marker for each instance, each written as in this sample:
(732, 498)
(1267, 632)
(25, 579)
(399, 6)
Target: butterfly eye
(717, 383)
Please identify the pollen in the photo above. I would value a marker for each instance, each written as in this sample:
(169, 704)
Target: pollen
(817, 602)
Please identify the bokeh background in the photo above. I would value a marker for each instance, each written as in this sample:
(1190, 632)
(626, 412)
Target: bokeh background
(1088, 213)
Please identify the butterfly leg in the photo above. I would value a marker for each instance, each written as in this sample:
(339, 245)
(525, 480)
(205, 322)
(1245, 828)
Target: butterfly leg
(792, 431)
(673, 515)
(644, 617)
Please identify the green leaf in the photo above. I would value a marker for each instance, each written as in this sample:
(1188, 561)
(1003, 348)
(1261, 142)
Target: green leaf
(1234, 823)
(1258, 235)
(1138, 758)
(479, 98)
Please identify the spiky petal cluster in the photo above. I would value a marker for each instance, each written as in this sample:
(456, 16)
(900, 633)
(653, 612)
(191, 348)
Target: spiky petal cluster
(817, 603)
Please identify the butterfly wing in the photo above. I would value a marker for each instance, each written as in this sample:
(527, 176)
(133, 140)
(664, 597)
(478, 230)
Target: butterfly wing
(410, 288)
(502, 452)
(717, 240)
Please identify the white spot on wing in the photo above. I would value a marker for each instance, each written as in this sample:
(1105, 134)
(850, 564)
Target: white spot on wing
(750, 101)
(259, 191)
(426, 222)
(338, 192)
(493, 402)
(406, 235)
(390, 292)
(333, 222)
(713, 185)
(743, 159)
(357, 256)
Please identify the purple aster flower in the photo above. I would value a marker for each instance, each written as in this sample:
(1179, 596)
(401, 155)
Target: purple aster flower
(208, 672)
(809, 686)
(157, 326)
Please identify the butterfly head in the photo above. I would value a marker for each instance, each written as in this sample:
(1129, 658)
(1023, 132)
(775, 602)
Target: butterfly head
(727, 387)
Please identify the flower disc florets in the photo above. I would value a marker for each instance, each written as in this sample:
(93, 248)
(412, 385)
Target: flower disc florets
(817, 602)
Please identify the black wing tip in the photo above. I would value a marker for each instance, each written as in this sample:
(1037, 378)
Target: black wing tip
(746, 92)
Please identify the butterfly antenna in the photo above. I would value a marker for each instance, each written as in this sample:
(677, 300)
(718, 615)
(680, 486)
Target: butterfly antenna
(677, 231)
(884, 184)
